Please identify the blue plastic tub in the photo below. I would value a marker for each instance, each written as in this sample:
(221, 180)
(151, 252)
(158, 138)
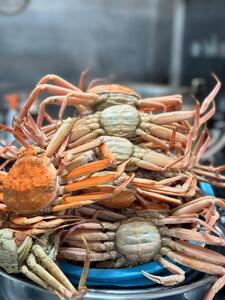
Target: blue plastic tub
(123, 277)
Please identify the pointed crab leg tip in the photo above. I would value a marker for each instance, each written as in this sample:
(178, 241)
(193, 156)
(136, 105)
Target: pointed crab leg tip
(215, 77)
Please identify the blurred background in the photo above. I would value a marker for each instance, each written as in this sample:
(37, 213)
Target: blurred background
(156, 46)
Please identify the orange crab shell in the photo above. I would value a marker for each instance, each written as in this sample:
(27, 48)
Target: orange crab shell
(113, 88)
(30, 185)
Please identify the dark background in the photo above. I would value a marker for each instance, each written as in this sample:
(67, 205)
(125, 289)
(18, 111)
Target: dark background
(124, 40)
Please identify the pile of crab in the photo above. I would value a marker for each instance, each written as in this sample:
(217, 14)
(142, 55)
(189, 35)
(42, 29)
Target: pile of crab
(115, 185)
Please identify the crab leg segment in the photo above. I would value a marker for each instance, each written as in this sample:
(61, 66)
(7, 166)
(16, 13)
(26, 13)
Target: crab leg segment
(47, 277)
(188, 234)
(211, 96)
(188, 188)
(78, 201)
(59, 81)
(87, 199)
(167, 280)
(164, 133)
(158, 197)
(184, 260)
(195, 251)
(185, 220)
(216, 287)
(89, 168)
(170, 117)
(168, 102)
(198, 205)
(193, 263)
(59, 136)
(49, 264)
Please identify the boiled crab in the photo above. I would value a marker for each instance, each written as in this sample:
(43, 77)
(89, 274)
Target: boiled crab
(149, 235)
(20, 253)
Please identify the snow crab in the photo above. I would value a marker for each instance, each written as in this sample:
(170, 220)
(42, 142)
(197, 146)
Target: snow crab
(149, 235)
(94, 98)
(34, 258)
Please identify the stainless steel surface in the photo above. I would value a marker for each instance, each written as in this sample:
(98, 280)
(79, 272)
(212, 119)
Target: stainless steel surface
(15, 287)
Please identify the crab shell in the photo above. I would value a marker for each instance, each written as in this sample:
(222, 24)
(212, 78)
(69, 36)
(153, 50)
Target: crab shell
(113, 88)
(31, 183)
(113, 94)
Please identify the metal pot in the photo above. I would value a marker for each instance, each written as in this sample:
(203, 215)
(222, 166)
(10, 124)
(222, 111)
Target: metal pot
(15, 287)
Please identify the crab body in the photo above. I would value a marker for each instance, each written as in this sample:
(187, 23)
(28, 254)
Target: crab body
(113, 94)
(31, 183)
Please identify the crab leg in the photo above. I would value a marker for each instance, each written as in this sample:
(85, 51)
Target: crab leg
(49, 264)
(59, 136)
(154, 140)
(164, 133)
(95, 211)
(78, 254)
(86, 137)
(185, 220)
(59, 81)
(169, 102)
(93, 166)
(211, 96)
(188, 234)
(167, 280)
(158, 197)
(184, 260)
(194, 251)
(216, 287)
(88, 146)
(170, 117)
(193, 263)
(188, 187)
(42, 113)
(197, 205)
(87, 169)
(87, 199)
(79, 96)
(47, 277)
(82, 159)
(33, 277)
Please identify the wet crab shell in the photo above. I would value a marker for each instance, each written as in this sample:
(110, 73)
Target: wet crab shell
(114, 94)
(31, 184)
(113, 88)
